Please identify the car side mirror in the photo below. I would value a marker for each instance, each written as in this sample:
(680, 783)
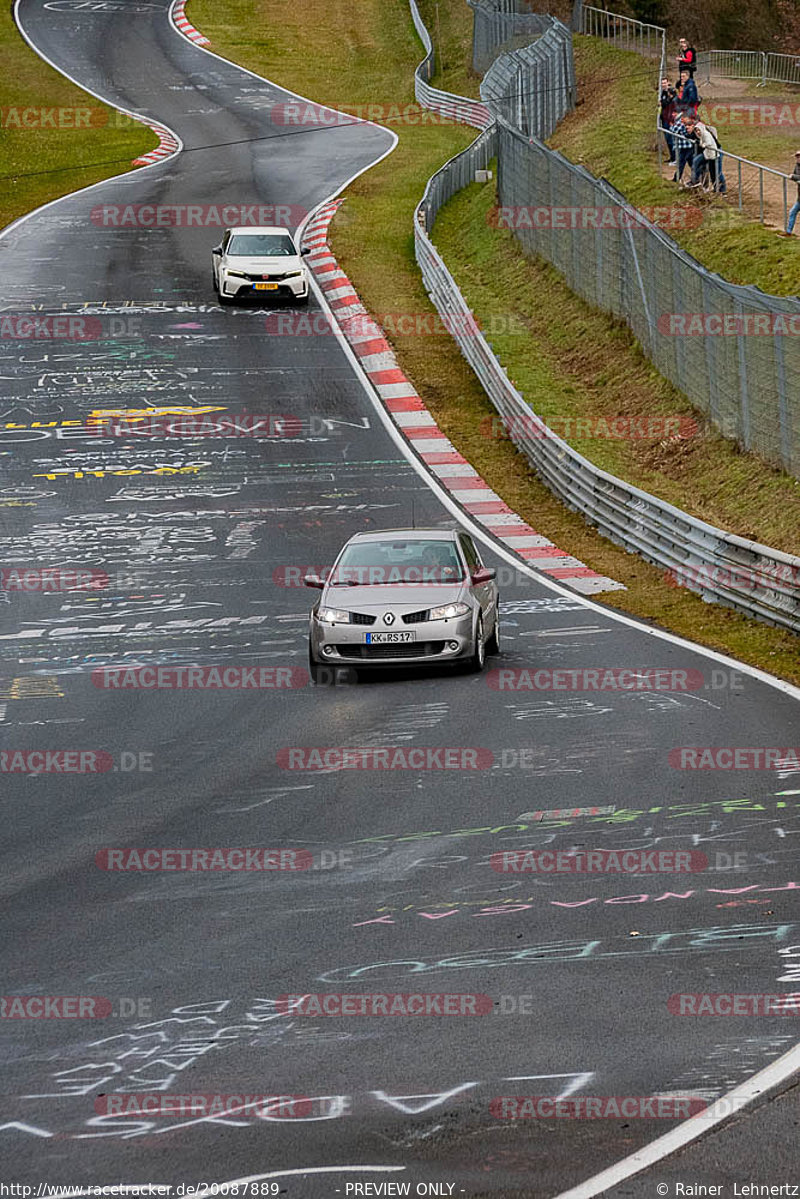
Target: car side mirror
(217, 250)
(484, 575)
(314, 581)
(305, 250)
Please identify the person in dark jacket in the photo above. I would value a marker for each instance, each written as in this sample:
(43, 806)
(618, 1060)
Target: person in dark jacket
(687, 58)
(666, 117)
(795, 209)
(687, 99)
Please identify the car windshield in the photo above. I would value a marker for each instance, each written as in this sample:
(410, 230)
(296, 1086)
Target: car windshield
(261, 245)
(386, 562)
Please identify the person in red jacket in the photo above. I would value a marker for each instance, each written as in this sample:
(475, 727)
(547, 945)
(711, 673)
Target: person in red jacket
(687, 59)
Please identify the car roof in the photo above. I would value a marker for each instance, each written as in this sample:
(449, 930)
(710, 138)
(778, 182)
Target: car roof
(406, 535)
(260, 229)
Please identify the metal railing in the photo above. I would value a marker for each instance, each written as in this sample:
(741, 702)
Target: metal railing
(625, 33)
(749, 64)
(782, 68)
(732, 64)
(745, 181)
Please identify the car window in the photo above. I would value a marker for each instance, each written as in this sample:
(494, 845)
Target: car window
(470, 553)
(398, 561)
(258, 245)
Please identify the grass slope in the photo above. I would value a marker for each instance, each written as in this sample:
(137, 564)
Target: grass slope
(73, 140)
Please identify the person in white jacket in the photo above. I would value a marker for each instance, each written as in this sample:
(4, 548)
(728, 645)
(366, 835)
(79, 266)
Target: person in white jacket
(707, 152)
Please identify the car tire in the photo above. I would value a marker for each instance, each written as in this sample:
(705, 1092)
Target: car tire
(493, 644)
(224, 301)
(477, 659)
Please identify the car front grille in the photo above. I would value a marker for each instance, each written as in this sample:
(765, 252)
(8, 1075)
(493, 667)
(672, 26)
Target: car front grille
(402, 649)
(416, 617)
(362, 618)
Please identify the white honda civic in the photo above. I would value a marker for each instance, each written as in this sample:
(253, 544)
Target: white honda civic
(261, 261)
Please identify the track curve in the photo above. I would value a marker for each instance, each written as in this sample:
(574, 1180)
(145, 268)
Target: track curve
(191, 535)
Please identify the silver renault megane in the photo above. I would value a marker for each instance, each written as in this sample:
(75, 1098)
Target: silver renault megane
(402, 598)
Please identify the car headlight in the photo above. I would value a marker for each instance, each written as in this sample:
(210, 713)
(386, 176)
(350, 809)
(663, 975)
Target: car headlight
(292, 274)
(238, 274)
(448, 610)
(333, 616)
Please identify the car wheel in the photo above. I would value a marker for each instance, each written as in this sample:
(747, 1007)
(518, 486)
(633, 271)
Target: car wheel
(224, 301)
(477, 659)
(493, 644)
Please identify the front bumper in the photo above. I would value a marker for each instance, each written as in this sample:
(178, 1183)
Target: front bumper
(434, 641)
(295, 288)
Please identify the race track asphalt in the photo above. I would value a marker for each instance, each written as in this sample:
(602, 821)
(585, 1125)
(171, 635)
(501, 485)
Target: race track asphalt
(196, 537)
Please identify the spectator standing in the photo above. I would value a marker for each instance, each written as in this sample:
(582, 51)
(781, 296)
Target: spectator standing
(706, 154)
(795, 209)
(687, 58)
(667, 115)
(685, 145)
(687, 99)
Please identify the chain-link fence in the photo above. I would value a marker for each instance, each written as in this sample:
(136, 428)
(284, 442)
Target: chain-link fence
(534, 88)
(502, 25)
(734, 351)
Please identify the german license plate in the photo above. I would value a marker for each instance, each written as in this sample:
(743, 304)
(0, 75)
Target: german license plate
(387, 638)
(265, 286)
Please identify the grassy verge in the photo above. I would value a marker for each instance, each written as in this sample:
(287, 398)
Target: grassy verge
(357, 59)
(44, 162)
(450, 27)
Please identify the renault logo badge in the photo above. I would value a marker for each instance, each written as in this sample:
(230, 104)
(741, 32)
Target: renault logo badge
(388, 618)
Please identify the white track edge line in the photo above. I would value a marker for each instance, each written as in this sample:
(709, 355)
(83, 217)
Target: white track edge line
(279, 87)
(722, 1109)
(147, 121)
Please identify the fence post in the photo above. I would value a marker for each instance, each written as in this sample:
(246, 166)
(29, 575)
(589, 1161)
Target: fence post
(577, 16)
(763, 69)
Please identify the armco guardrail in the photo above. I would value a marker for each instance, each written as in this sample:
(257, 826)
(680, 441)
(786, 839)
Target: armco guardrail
(720, 566)
(458, 108)
(752, 578)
